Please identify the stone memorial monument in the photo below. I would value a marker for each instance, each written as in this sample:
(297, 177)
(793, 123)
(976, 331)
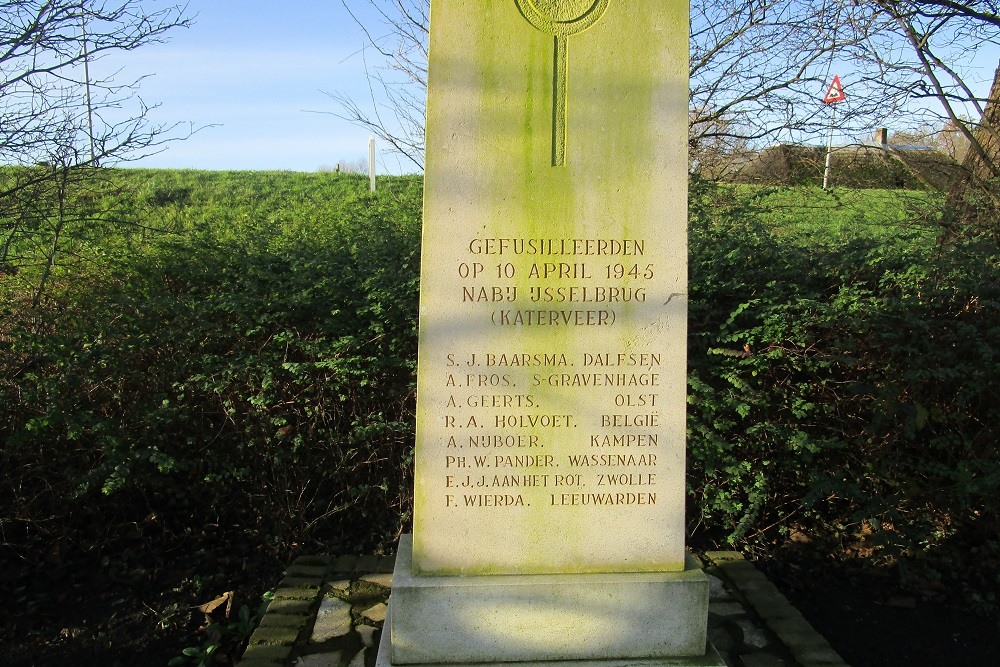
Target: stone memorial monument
(549, 496)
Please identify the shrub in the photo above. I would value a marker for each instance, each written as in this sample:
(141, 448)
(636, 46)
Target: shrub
(256, 377)
(251, 367)
(847, 385)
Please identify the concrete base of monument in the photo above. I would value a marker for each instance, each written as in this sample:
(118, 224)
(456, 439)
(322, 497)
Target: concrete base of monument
(710, 658)
(597, 620)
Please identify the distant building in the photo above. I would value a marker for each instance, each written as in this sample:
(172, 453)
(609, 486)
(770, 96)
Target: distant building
(879, 164)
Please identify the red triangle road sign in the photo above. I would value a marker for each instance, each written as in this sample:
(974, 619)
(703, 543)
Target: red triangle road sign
(836, 92)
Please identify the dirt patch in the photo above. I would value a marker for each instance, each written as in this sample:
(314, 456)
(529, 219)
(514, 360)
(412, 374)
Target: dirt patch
(84, 611)
(872, 622)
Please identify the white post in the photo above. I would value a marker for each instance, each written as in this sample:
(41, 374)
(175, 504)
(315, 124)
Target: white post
(86, 87)
(371, 163)
(829, 146)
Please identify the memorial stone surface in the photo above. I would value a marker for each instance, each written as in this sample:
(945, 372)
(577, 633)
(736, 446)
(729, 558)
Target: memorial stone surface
(550, 453)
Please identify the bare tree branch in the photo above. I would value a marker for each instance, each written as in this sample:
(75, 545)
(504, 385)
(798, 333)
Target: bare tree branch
(757, 70)
(57, 123)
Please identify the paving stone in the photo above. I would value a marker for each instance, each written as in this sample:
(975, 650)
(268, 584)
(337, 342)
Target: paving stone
(340, 586)
(762, 660)
(312, 571)
(723, 638)
(799, 641)
(735, 564)
(386, 564)
(752, 585)
(344, 564)
(723, 556)
(366, 564)
(367, 634)
(332, 620)
(819, 655)
(728, 658)
(274, 635)
(301, 582)
(331, 659)
(266, 654)
(358, 660)
(770, 604)
(283, 621)
(717, 589)
(786, 614)
(376, 614)
(791, 626)
(289, 606)
(792, 633)
(727, 609)
(746, 575)
(312, 560)
(383, 579)
(753, 635)
(742, 574)
(296, 593)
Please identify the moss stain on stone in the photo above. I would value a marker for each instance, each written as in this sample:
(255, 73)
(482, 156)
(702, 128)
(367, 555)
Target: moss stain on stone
(509, 189)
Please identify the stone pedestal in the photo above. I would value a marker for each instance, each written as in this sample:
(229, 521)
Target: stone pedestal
(599, 619)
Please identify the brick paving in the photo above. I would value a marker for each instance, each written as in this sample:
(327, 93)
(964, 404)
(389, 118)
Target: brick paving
(328, 612)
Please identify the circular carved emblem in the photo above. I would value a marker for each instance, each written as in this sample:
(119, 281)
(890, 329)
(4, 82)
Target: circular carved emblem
(562, 17)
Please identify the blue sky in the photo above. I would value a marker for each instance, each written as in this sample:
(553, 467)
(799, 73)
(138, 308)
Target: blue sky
(252, 74)
(249, 72)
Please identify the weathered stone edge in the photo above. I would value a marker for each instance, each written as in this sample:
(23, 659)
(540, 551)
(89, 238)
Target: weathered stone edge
(807, 646)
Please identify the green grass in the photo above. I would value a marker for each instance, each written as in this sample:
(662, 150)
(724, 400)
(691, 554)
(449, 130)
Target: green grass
(815, 215)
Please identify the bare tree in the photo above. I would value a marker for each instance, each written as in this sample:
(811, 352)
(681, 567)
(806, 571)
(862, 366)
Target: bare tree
(759, 67)
(944, 37)
(951, 141)
(44, 45)
(397, 81)
(57, 124)
(715, 151)
(941, 36)
(982, 158)
(758, 70)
